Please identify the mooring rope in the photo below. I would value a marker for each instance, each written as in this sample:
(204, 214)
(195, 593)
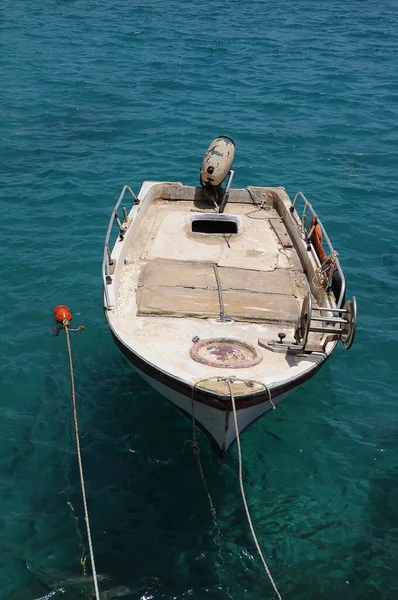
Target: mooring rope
(244, 495)
(260, 203)
(196, 451)
(83, 556)
(79, 457)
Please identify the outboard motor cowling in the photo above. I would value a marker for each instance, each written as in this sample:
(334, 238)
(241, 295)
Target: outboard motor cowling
(217, 161)
(216, 165)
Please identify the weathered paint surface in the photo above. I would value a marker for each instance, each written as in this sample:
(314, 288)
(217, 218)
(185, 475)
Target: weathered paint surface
(258, 261)
(217, 161)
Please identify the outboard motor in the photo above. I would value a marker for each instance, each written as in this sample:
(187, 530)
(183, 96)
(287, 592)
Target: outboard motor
(216, 165)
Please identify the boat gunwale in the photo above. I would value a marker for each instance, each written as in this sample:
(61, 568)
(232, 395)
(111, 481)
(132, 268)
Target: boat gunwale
(208, 397)
(153, 191)
(149, 192)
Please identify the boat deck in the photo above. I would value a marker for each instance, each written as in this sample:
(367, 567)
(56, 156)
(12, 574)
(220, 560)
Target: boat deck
(169, 293)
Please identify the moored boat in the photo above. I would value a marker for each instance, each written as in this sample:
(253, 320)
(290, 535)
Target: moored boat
(223, 299)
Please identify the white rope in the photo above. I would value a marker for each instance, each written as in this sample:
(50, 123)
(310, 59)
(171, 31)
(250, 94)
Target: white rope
(79, 457)
(324, 273)
(244, 496)
(261, 204)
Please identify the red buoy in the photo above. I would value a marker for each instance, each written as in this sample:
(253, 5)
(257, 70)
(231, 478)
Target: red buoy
(62, 313)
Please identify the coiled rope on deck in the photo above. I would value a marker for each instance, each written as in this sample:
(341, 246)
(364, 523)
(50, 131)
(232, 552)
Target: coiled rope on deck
(79, 458)
(244, 495)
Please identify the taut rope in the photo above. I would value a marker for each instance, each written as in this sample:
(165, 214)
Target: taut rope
(244, 495)
(260, 203)
(79, 457)
(196, 451)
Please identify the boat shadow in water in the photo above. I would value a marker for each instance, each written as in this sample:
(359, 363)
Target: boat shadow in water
(152, 528)
(146, 500)
(146, 497)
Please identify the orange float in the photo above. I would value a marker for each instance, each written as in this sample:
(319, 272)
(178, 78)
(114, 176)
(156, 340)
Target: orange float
(316, 240)
(62, 313)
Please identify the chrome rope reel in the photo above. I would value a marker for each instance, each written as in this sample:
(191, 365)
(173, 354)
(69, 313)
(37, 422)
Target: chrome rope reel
(341, 326)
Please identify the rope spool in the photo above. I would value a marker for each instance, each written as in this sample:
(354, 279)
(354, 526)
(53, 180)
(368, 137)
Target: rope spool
(249, 520)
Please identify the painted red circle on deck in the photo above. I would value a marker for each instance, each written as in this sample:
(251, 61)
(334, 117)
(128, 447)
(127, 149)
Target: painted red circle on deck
(226, 353)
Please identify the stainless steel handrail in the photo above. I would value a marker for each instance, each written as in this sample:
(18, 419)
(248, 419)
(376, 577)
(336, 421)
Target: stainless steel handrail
(308, 205)
(106, 261)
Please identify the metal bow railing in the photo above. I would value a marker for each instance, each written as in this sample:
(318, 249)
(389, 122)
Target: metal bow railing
(307, 236)
(107, 258)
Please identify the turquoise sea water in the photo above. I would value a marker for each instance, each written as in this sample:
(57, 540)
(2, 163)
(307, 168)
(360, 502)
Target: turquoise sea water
(98, 94)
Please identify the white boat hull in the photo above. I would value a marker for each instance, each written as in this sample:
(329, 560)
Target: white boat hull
(218, 424)
(196, 300)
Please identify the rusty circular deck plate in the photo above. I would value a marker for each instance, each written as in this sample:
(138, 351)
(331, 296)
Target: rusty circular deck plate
(226, 353)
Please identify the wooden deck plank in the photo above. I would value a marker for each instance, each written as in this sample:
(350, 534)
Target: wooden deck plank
(190, 290)
(201, 275)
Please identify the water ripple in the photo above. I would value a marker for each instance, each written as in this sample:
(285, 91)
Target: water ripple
(94, 97)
